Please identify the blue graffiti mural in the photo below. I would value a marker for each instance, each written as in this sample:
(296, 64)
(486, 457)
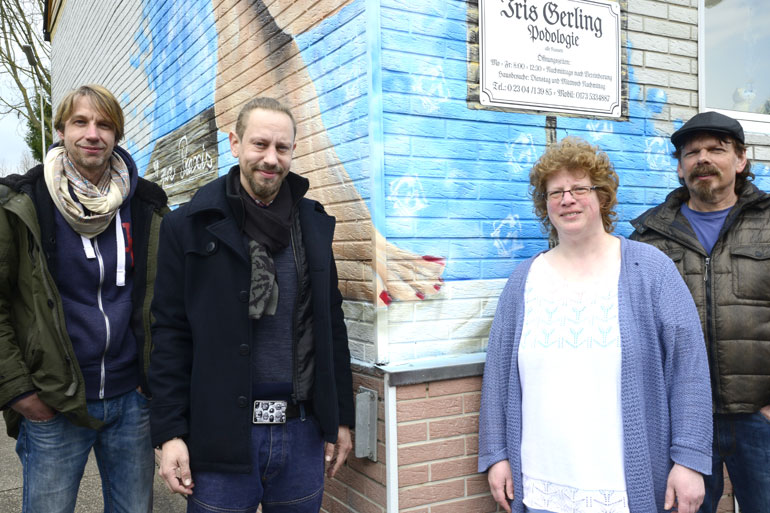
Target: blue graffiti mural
(455, 181)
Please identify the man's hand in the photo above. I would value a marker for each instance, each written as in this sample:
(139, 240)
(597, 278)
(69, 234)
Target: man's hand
(32, 408)
(501, 483)
(765, 410)
(685, 490)
(175, 467)
(342, 447)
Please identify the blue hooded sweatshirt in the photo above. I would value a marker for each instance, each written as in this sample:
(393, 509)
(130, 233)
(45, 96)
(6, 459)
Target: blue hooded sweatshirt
(97, 310)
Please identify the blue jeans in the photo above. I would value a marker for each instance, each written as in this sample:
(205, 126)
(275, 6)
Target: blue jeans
(286, 477)
(742, 441)
(54, 453)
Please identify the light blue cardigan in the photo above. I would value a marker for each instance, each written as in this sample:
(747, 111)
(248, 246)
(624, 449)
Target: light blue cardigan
(665, 387)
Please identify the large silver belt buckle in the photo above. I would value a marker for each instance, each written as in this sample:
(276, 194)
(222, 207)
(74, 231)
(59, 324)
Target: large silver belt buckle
(269, 412)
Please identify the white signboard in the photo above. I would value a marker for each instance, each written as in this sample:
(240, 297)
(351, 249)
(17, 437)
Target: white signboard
(556, 56)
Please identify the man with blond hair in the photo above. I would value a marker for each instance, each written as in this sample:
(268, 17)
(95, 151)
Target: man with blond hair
(78, 239)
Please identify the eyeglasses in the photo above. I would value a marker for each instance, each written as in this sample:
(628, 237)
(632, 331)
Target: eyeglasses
(576, 192)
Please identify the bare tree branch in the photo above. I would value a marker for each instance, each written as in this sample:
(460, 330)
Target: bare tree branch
(21, 24)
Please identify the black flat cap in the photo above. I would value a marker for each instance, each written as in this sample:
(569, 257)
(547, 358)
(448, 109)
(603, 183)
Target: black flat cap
(708, 122)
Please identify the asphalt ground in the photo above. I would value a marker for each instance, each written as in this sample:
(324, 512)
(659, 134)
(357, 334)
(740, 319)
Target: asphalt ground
(90, 494)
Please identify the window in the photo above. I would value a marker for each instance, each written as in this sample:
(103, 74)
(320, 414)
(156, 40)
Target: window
(734, 75)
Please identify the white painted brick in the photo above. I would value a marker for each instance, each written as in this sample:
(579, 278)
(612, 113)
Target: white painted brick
(680, 2)
(652, 77)
(369, 312)
(353, 310)
(370, 354)
(640, 41)
(419, 331)
(667, 62)
(678, 97)
(665, 28)
(682, 113)
(761, 153)
(358, 350)
(683, 14)
(637, 59)
(363, 332)
(682, 47)
(694, 33)
(457, 309)
(399, 353)
(401, 312)
(682, 81)
(753, 138)
(635, 22)
(693, 99)
(648, 8)
(489, 307)
(439, 348)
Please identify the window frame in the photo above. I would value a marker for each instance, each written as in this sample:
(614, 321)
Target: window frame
(751, 122)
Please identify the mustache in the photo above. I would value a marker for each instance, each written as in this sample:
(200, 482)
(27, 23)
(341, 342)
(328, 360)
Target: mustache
(705, 170)
(262, 167)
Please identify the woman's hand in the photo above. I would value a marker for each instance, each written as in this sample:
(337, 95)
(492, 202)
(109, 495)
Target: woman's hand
(501, 483)
(685, 489)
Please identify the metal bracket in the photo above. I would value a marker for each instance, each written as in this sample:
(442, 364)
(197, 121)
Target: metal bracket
(366, 423)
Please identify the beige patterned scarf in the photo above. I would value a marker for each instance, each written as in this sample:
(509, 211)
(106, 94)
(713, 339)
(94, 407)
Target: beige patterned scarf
(102, 200)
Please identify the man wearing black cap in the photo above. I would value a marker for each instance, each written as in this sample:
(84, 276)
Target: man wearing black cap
(716, 228)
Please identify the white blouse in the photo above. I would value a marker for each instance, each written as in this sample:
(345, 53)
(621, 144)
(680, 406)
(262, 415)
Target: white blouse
(569, 367)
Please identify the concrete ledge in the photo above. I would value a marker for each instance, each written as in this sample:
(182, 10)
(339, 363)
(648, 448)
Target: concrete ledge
(426, 370)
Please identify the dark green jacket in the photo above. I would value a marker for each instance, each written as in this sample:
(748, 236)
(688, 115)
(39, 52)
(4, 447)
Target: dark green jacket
(35, 350)
(731, 288)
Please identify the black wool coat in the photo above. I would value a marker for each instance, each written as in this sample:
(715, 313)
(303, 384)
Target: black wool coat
(200, 369)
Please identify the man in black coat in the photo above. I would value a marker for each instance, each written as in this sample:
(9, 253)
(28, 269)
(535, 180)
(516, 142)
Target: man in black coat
(251, 367)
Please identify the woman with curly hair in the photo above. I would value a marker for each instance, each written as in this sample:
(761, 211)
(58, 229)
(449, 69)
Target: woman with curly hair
(596, 394)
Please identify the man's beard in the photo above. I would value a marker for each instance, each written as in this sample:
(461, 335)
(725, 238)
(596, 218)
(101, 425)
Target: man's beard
(267, 190)
(703, 190)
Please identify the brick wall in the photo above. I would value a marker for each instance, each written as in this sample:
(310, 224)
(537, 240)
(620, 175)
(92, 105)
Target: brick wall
(436, 451)
(360, 486)
(438, 446)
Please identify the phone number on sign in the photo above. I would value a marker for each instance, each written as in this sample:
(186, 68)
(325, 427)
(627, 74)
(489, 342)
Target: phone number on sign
(580, 95)
(518, 88)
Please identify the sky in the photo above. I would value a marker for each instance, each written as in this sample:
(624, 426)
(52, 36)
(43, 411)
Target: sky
(12, 130)
(12, 143)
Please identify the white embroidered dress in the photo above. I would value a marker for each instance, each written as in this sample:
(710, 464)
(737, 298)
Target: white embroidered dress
(569, 364)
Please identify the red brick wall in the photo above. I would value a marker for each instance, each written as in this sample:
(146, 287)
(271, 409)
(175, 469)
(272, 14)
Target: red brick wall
(438, 447)
(437, 429)
(359, 486)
